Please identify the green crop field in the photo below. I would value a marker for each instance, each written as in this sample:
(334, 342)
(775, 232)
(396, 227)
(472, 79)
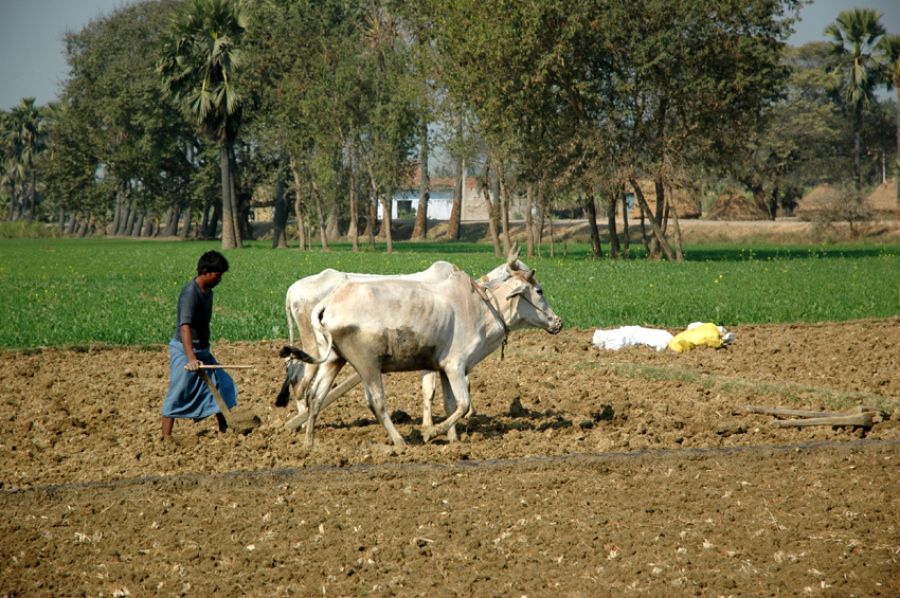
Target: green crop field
(65, 292)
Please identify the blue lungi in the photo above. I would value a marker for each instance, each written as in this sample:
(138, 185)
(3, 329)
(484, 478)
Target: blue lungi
(188, 395)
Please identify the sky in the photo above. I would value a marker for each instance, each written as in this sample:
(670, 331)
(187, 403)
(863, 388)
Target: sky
(32, 60)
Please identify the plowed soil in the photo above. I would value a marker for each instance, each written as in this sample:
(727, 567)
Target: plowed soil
(583, 473)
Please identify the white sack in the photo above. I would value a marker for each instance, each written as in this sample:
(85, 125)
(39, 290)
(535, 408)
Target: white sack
(627, 336)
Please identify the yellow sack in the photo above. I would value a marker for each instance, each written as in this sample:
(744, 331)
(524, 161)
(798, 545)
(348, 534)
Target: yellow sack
(703, 335)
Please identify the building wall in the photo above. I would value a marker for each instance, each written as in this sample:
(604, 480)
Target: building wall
(405, 204)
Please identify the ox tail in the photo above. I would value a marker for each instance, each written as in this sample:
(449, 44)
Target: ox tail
(324, 341)
(290, 318)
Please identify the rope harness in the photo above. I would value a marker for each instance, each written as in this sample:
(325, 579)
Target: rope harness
(487, 295)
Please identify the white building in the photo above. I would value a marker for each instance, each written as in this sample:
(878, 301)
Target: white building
(405, 204)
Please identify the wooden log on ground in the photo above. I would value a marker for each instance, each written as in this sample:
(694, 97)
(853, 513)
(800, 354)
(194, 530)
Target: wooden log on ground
(778, 412)
(859, 420)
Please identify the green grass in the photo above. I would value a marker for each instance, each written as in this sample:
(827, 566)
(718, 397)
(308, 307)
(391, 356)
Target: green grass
(63, 292)
(26, 230)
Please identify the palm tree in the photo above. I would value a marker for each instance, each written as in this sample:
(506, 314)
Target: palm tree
(8, 178)
(24, 137)
(198, 61)
(890, 47)
(855, 37)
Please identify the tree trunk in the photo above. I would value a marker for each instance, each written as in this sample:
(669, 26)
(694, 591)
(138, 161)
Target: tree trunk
(130, 215)
(772, 204)
(243, 211)
(239, 211)
(539, 225)
(611, 222)
(387, 221)
(188, 221)
(645, 238)
(230, 233)
(420, 231)
(626, 238)
(353, 231)
(660, 216)
(149, 228)
(317, 200)
(137, 226)
(32, 193)
(503, 205)
(11, 212)
(679, 253)
(529, 220)
(298, 203)
(332, 223)
(210, 224)
(117, 214)
(550, 226)
(658, 234)
(857, 146)
(279, 221)
(456, 206)
(173, 215)
(494, 209)
(897, 165)
(372, 220)
(590, 209)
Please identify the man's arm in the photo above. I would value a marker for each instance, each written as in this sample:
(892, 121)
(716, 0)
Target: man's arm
(187, 343)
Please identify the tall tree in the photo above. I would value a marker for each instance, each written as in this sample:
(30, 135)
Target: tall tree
(25, 139)
(890, 47)
(200, 55)
(389, 130)
(12, 176)
(141, 141)
(283, 43)
(423, 61)
(69, 168)
(855, 37)
(420, 230)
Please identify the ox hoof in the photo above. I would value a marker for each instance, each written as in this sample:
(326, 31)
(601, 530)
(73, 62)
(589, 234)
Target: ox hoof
(429, 434)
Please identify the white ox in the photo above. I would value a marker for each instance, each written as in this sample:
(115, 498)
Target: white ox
(395, 325)
(305, 293)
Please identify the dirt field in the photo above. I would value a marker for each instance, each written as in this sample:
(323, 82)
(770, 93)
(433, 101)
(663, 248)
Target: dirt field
(584, 473)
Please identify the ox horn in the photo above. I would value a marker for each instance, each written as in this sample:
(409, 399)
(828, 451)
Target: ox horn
(512, 259)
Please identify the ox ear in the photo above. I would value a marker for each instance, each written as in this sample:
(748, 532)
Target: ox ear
(518, 290)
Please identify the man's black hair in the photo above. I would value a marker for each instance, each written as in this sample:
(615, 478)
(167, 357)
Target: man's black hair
(212, 261)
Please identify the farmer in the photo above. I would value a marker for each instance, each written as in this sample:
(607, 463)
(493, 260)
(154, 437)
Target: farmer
(188, 395)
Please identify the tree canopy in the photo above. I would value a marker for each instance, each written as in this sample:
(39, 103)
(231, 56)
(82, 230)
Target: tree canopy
(183, 111)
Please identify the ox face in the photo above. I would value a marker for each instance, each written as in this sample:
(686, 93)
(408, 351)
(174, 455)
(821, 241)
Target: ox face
(529, 306)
